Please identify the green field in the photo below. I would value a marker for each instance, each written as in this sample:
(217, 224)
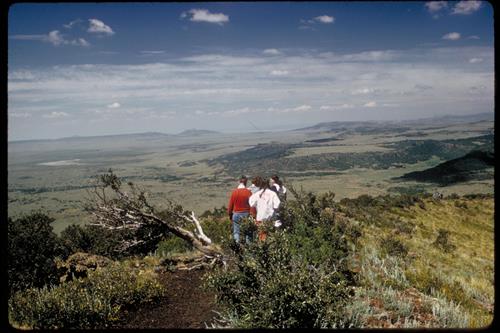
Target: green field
(199, 170)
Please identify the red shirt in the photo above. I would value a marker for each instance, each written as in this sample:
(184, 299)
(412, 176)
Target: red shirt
(239, 201)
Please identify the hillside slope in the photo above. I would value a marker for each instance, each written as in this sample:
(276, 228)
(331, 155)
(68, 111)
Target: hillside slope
(469, 167)
(427, 263)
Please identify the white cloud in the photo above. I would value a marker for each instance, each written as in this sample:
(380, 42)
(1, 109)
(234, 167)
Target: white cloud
(20, 115)
(436, 6)
(56, 114)
(146, 52)
(72, 23)
(54, 37)
(363, 91)
(300, 108)
(80, 42)
(475, 60)
(203, 15)
(215, 83)
(370, 104)
(306, 27)
(452, 36)
(336, 107)
(466, 7)
(271, 52)
(99, 27)
(114, 105)
(278, 72)
(325, 19)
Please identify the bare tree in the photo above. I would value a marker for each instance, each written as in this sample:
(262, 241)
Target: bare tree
(115, 209)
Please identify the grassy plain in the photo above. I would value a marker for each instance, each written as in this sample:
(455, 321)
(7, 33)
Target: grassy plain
(186, 169)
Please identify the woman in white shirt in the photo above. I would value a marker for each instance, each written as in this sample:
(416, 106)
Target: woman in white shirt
(266, 202)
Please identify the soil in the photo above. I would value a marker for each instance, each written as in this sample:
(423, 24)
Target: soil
(185, 304)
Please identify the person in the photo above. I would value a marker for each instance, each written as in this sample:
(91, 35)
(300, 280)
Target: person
(266, 201)
(254, 188)
(238, 206)
(277, 186)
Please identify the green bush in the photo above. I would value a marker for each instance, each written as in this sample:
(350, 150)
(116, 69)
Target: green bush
(32, 248)
(298, 277)
(172, 244)
(443, 242)
(393, 247)
(93, 302)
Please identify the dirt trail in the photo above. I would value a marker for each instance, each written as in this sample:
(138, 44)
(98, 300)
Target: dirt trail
(185, 304)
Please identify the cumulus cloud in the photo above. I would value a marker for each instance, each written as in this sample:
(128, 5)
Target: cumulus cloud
(324, 19)
(271, 52)
(336, 107)
(214, 83)
(278, 72)
(99, 27)
(54, 37)
(466, 7)
(56, 114)
(300, 108)
(370, 104)
(114, 105)
(436, 6)
(475, 60)
(204, 15)
(452, 36)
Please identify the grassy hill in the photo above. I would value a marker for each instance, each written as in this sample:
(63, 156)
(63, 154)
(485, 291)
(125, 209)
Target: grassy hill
(472, 166)
(424, 263)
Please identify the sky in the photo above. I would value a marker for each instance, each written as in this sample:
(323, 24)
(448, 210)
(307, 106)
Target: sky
(99, 69)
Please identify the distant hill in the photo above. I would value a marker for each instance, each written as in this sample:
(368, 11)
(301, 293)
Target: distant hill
(469, 167)
(144, 135)
(196, 132)
(401, 125)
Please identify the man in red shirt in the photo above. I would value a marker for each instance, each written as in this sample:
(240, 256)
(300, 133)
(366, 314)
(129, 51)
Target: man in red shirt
(238, 207)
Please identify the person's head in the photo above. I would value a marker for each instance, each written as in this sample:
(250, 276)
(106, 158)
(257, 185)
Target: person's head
(275, 180)
(243, 180)
(256, 181)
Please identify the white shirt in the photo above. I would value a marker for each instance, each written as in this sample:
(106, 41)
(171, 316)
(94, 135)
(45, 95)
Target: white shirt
(265, 204)
(241, 185)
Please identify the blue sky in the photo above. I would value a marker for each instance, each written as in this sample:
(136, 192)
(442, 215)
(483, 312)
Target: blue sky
(94, 69)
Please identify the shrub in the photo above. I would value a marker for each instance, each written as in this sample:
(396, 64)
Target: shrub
(92, 239)
(443, 242)
(298, 277)
(393, 247)
(93, 302)
(172, 244)
(32, 248)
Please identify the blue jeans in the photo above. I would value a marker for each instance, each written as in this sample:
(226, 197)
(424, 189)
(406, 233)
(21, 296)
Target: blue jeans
(236, 226)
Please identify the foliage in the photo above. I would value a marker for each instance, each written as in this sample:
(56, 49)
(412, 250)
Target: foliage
(32, 247)
(93, 302)
(298, 277)
(393, 247)
(92, 239)
(472, 166)
(443, 241)
(172, 244)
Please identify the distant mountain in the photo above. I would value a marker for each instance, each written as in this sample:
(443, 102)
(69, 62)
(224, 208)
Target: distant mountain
(469, 167)
(453, 119)
(431, 121)
(144, 135)
(196, 132)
